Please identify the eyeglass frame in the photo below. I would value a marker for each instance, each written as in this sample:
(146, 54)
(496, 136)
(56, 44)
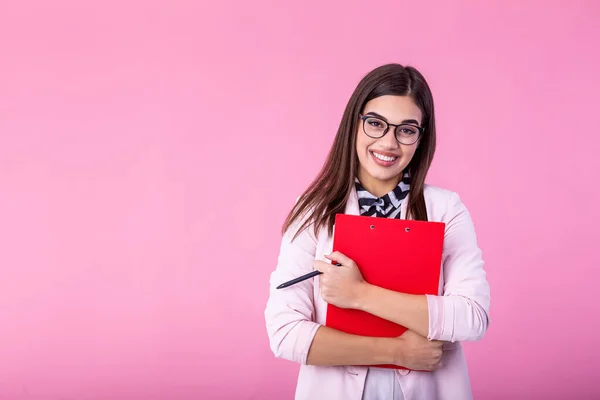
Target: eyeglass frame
(365, 117)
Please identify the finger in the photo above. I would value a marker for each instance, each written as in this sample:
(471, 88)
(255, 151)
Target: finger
(339, 257)
(433, 366)
(321, 266)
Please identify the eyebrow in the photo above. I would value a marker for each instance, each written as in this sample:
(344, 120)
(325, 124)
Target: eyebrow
(406, 121)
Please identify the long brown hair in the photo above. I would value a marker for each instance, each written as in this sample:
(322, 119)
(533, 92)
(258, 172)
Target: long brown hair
(328, 194)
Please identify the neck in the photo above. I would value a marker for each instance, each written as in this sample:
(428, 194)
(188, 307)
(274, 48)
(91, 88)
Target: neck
(376, 186)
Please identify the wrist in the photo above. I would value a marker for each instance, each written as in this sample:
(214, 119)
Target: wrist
(386, 351)
(363, 297)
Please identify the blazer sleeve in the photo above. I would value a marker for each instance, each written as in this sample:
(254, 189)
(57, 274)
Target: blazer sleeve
(462, 312)
(289, 312)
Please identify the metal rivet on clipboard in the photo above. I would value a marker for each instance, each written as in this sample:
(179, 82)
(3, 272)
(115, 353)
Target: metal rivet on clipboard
(407, 229)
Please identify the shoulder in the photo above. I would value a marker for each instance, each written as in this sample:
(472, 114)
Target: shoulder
(437, 193)
(442, 204)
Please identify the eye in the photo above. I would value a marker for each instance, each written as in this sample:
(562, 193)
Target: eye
(375, 123)
(408, 130)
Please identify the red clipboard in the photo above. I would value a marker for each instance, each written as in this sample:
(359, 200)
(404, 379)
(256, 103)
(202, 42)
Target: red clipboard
(400, 255)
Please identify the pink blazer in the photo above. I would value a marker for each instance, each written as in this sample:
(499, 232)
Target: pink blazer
(459, 313)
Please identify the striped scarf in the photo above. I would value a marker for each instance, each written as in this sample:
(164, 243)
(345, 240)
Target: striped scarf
(387, 206)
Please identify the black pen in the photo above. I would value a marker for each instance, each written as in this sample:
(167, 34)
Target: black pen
(302, 278)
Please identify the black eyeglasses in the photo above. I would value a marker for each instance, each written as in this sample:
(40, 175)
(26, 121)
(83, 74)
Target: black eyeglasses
(377, 128)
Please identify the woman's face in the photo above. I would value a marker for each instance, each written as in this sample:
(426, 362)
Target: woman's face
(383, 160)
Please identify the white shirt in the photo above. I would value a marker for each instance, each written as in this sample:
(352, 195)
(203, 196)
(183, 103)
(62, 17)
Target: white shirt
(382, 384)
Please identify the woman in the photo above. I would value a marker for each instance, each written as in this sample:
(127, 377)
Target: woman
(377, 167)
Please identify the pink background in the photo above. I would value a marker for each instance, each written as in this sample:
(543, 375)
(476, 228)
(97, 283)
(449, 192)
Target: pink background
(150, 151)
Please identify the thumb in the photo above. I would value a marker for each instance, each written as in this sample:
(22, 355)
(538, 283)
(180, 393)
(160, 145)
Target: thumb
(339, 258)
(321, 266)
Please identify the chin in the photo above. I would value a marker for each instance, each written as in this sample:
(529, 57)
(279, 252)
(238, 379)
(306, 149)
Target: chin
(384, 175)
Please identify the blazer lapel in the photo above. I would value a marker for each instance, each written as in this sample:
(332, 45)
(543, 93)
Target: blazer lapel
(352, 209)
(352, 204)
(403, 207)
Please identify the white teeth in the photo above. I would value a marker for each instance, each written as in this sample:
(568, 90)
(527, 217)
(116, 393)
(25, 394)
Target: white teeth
(384, 158)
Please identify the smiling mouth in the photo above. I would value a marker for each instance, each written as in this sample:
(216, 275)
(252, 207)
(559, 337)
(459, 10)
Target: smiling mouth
(384, 157)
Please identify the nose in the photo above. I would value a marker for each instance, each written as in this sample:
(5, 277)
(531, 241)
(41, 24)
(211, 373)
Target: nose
(388, 140)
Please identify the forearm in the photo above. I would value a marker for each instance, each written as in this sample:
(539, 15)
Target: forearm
(408, 310)
(453, 318)
(456, 318)
(332, 347)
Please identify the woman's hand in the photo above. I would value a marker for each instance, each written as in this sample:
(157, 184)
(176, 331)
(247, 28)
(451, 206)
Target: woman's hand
(343, 285)
(416, 352)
